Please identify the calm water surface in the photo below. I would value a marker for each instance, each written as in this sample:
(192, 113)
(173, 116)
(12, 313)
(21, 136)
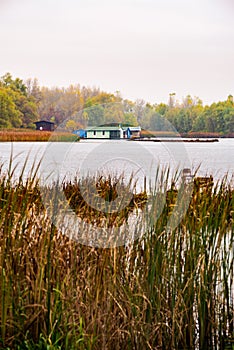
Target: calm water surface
(139, 158)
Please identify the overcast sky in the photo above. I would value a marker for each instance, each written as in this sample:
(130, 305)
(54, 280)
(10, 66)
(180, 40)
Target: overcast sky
(143, 48)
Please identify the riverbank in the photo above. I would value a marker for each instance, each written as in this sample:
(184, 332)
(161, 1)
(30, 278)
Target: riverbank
(25, 135)
(28, 135)
(189, 135)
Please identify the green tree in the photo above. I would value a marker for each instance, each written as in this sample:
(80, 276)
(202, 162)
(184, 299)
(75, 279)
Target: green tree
(199, 124)
(101, 98)
(29, 111)
(14, 84)
(161, 108)
(95, 115)
(130, 119)
(230, 122)
(114, 113)
(9, 115)
(25, 104)
(157, 122)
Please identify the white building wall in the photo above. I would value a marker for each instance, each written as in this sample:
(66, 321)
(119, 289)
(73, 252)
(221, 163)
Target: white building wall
(98, 134)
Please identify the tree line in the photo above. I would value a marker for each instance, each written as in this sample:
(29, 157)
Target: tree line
(24, 102)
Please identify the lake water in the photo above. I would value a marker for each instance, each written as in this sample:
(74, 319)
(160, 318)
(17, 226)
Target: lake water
(137, 158)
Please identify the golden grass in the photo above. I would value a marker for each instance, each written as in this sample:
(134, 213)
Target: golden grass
(170, 289)
(152, 133)
(107, 188)
(35, 136)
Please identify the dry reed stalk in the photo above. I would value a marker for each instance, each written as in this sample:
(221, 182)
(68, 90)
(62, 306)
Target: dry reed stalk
(170, 289)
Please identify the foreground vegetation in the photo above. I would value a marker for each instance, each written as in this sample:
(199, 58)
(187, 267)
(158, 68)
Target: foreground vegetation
(170, 289)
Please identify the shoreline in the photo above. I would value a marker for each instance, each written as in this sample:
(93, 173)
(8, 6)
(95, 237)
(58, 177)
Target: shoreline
(173, 140)
(25, 135)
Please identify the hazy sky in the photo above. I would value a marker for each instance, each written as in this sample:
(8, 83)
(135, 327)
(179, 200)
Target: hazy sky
(143, 48)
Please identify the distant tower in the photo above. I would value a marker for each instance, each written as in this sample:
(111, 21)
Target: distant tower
(171, 102)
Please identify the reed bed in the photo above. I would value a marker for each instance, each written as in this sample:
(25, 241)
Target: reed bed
(152, 133)
(35, 136)
(170, 289)
(108, 188)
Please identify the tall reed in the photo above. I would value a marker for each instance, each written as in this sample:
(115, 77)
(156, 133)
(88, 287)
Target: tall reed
(170, 289)
(35, 135)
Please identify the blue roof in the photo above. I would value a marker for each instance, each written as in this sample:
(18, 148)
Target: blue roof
(134, 128)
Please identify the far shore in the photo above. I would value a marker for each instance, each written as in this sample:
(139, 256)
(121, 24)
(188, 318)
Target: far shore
(29, 135)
